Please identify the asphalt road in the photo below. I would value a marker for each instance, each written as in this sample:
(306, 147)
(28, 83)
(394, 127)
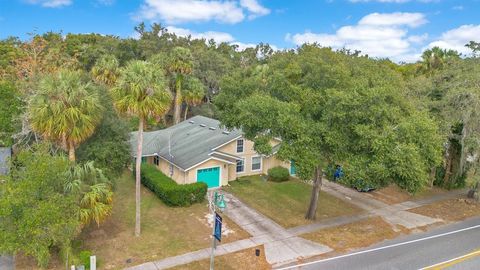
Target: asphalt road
(455, 246)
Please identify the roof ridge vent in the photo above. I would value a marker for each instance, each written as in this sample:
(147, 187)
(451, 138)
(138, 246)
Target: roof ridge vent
(191, 122)
(203, 125)
(226, 132)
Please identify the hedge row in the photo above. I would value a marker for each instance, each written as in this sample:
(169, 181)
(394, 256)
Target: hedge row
(169, 191)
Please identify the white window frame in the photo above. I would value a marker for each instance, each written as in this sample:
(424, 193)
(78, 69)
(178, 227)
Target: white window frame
(243, 160)
(243, 146)
(261, 163)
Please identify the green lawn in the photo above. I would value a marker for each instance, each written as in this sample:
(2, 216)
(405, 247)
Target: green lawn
(287, 202)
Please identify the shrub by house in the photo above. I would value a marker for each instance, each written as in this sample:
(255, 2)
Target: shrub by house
(169, 191)
(278, 174)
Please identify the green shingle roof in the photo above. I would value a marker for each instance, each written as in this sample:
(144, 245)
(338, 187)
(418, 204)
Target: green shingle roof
(191, 141)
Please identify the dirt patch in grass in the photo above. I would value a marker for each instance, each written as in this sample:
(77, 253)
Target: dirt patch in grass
(392, 194)
(240, 260)
(450, 210)
(355, 235)
(287, 202)
(166, 231)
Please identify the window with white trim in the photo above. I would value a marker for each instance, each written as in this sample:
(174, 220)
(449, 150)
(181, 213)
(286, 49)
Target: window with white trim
(240, 143)
(156, 160)
(256, 163)
(240, 165)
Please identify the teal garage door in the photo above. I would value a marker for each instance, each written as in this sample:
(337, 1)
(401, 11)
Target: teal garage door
(210, 176)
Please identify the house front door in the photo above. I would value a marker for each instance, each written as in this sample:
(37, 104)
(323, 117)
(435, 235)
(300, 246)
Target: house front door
(293, 170)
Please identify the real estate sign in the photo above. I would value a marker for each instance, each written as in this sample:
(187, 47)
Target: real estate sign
(218, 227)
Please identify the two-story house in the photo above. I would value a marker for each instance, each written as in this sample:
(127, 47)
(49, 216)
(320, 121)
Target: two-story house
(199, 150)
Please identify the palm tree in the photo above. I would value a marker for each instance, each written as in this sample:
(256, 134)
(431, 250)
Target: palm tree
(194, 92)
(94, 192)
(435, 58)
(179, 65)
(66, 109)
(106, 70)
(140, 91)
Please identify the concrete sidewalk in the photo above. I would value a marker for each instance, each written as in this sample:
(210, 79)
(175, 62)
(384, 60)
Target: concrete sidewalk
(197, 255)
(393, 214)
(373, 208)
(283, 245)
(280, 245)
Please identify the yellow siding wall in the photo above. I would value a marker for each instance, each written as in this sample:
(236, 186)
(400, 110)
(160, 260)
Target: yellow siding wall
(164, 166)
(270, 162)
(232, 172)
(227, 171)
(248, 153)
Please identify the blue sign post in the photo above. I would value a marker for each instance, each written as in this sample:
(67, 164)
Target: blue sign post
(218, 227)
(216, 201)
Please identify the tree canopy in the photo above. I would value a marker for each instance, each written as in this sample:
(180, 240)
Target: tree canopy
(35, 210)
(328, 107)
(10, 109)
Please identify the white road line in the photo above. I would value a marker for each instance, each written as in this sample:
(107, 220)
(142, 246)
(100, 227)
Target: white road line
(381, 248)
